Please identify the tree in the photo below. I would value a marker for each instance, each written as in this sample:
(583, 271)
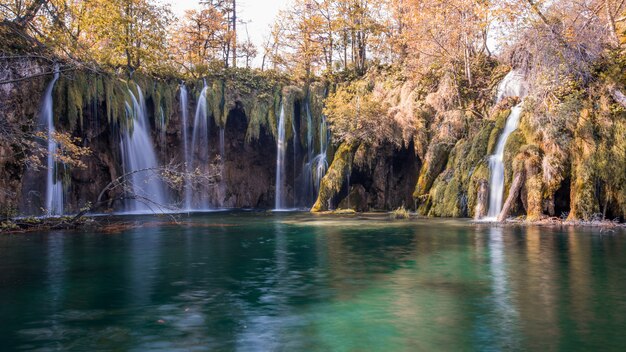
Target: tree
(21, 12)
(248, 51)
(114, 33)
(198, 41)
(129, 32)
(356, 115)
(228, 15)
(445, 33)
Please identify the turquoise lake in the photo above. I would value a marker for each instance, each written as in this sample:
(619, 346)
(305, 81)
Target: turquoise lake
(253, 281)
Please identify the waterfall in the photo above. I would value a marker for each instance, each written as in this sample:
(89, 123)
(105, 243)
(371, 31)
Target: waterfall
(280, 160)
(54, 185)
(317, 164)
(221, 190)
(511, 86)
(320, 163)
(307, 172)
(200, 145)
(139, 158)
(184, 101)
(294, 141)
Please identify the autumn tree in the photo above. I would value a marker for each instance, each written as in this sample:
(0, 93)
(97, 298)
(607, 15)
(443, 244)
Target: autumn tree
(227, 10)
(198, 41)
(114, 33)
(318, 34)
(446, 33)
(357, 115)
(272, 56)
(562, 39)
(248, 52)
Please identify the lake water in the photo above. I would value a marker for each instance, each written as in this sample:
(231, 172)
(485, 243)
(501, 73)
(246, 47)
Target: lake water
(297, 282)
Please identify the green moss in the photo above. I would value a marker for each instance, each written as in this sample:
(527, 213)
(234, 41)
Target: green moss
(584, 202)
(480, 174)
(534, 198)
(436, 159)
(446, 196)
(335, 177)
(512, 148)
(259, 116)
(499, 120)
(400, 214)
(290, 95)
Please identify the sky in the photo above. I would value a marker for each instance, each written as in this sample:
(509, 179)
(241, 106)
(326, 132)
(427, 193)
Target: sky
(259, 15)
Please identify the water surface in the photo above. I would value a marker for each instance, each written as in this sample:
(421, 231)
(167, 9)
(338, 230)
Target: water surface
(279, 281)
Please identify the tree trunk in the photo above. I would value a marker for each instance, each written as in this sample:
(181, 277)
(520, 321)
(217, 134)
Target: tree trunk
(617, 95)
(234, 33)
(518, 181)
(31, 13)
(482, 200)
(611, 19)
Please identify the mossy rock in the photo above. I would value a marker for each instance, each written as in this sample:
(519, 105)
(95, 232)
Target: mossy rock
(481, 173)
(355, 200)
(499, 121)
(512, 148)
(333, 181)
(446, 196)
(436, 160)
(534, 198)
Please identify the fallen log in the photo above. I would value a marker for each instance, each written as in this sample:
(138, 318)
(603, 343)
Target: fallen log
(516, 187)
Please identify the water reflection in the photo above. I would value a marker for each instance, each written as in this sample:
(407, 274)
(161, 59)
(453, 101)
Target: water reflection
(505, 330)
(263, 324)
(264, 282)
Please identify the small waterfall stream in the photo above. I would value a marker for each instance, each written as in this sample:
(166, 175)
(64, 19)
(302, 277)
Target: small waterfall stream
(199, 158)
(316, 164)
(54, 185)
(139, 158)
(280, 161)
(307, 170)
(511, 86)
(320, 162)
(184, 104)
(221, 190)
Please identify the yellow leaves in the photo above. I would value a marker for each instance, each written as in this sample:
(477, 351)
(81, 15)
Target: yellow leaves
(69, 152)
(357, 115)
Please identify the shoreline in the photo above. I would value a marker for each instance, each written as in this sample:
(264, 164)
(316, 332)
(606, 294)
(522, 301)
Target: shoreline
(117, 222)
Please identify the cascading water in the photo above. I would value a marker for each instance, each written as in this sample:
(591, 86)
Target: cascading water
(307, 171)
(221, 189)
(294, 133)
(280, 161)
(184, 101)
(511, 86)
(316, 166)
(139, 159)
(200, 146)
(320, 163)
(54, 185)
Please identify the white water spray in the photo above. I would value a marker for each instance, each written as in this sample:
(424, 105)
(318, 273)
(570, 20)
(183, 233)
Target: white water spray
(54, 185)
(511, 86)
(184, 101)
(280, 161)
(200, 146)
(139, 158)
(320, 162)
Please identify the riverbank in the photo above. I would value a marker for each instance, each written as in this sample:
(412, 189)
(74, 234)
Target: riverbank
(120, 222)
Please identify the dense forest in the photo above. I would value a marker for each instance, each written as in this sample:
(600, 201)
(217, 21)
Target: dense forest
(347, 104)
